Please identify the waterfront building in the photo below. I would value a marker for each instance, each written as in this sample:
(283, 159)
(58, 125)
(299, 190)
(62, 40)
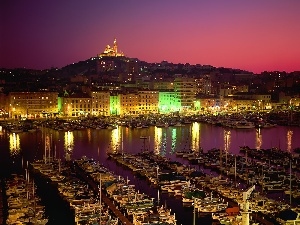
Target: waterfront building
(100, 103)
(76, 104)
(114, 103)
(148, 101)
(137, 103)
(129, 104)
(185, 91)
(168, 102)
(29, 105)
(256, 101)
(206, 104)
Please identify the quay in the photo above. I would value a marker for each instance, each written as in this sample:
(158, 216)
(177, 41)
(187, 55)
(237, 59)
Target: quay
(256, 216)
(104, 198)
(59, 207)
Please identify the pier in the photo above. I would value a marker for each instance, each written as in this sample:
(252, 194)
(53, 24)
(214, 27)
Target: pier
(104, 198)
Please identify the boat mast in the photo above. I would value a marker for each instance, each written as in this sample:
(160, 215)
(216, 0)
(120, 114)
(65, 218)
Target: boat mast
(122, 143)
(45, 153)
(100, 200)
(235, 169)
(194, 213)
(290, 180)
(50, 146)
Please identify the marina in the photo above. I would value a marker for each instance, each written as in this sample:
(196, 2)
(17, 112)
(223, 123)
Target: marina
(188, 146)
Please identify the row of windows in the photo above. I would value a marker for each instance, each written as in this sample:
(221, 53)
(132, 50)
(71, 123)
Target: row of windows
(81, 106)
(77, 101)
(99, 110)
(20, 107)
(35, 102)
(41, 107)
(36, 97)
(81, 110)
(101, 97)
(101, 101)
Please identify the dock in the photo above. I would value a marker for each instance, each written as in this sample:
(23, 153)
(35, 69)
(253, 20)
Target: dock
(104, 198)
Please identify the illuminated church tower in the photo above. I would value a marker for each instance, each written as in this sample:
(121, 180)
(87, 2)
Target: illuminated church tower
(111, 51)
(115, 46)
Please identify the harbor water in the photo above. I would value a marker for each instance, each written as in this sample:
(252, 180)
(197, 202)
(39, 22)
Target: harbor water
(18, 148)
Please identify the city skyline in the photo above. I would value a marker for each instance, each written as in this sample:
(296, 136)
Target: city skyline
(255, 36)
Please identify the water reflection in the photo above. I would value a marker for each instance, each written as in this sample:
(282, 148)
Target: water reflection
(289, 136)
(69, 144)
(195, 136)
(258, 139)
(14, 144)
(89, 135)
(48, 141)
(115, 139)
(157, 140)
(227, 140)
(173, 141)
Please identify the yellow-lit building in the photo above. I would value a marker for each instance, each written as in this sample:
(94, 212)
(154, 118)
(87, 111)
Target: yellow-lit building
(100, 103)
(185, 91)
(129, 104)
(33, 104)
(251, 101)
(148, 101)
(76, 105)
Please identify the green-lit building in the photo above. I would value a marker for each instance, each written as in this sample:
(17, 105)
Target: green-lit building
(168, 102)
(114, 104)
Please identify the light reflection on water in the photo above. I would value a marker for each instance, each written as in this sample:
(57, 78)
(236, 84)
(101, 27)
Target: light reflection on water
(173, 142)
(289, 136)
(227, 140)
(195, 136)
(115, 139)
(14, 144)
(163, 141)
(157, 140)
(69, 142)
(258, 139)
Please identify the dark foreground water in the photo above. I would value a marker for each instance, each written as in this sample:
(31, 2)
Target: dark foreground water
(23, 147)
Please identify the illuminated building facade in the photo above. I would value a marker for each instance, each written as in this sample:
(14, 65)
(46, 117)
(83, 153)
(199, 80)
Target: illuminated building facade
(114, 104)
(163, 85)
(33, 104)
(100, 103)
(249, 101)
(185, 91)
(168, 102)
(4, 106)
(129, 104)
(148, 102)
(76, 105)
(111, 51)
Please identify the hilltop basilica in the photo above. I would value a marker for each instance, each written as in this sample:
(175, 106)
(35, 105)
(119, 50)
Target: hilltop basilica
(111, 51)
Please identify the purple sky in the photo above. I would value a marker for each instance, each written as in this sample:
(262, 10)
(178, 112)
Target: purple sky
(254, 35)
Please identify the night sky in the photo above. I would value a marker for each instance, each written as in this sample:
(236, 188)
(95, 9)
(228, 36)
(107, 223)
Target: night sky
(254, 35)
